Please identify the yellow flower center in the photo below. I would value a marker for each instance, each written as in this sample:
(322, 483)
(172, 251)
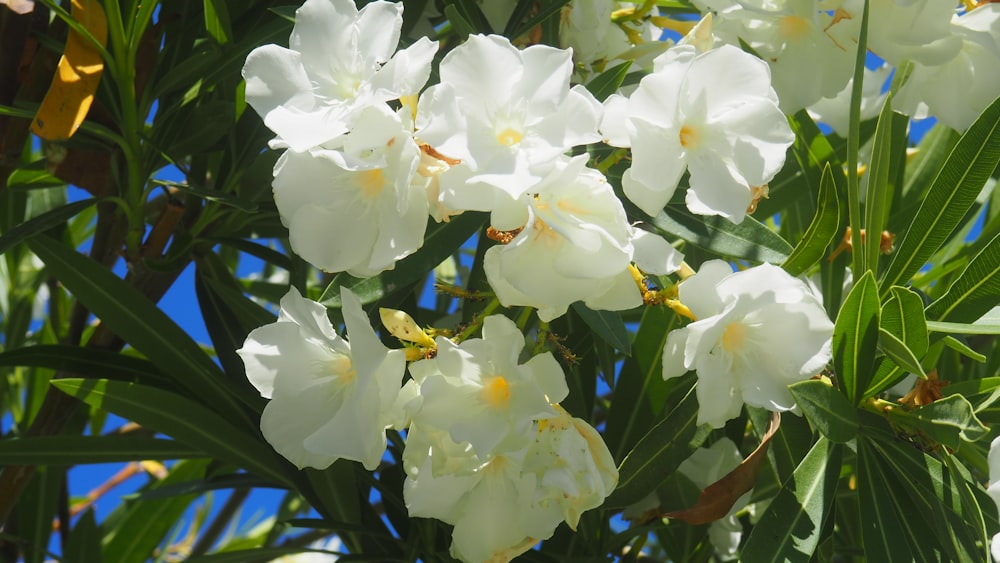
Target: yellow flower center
(496, 392)
(734, 337)
(342, 368)
(371, 182)
(793, 27)
(509, 137)
(690, 137)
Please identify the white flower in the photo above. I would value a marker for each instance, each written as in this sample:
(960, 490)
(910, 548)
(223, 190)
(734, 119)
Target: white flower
(706, 466)
(757, 331)
(574, 467)
(835, 110)
(340, 60)
(479, 393)
(958, 90)
(713, 114)
(575, 245)
(357, 210)
(913, 30)
(585, 26)
(994, 489)
(792, 35)
(330, 399)
(505, 114)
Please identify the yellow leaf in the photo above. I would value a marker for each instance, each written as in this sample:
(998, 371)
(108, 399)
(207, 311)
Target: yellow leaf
(79, 72)
(403, 327)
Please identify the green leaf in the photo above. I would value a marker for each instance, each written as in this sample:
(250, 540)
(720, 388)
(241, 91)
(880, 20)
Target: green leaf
(982, 394)
(975, 292)
(442, 240)
(143, 525)
(791, 527)
(657, 455)
(897, 350)
(963, 349)
(545, 11)
(855, 337)
(259, 555)
(886, 530)
(903, 316)
(86, 362)
(640, 393)
(950, 421)
(821, 231)
(42, 223)
(78, 450)
(84, 543)
(183, 419)
(827, 409)
(217, 21)
(33, 176)
(750, 240)
(878, 199)
(36, 511)
(950, 197)
(608, 82)
(336, 489)
(606, 324)
(208, 195)
(459, 22)
(140, 323)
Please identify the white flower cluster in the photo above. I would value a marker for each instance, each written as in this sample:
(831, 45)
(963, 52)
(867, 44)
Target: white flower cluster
(488, 448)
(368, 159)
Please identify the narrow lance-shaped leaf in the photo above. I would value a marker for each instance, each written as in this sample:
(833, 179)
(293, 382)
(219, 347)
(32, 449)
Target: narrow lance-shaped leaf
(821, 231)
(791, 527)
(948, 421)
(608, 82)
(140, 323)
(951, 195)
(608, 325)
(855, 336)
(975, 292)
(750, 240)
(826, 409)
(78, 450)
(657, 455)
(879, 195)
(43, 222)
(180, 418)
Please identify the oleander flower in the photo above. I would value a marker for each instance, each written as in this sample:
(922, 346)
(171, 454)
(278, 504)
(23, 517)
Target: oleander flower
(330, 399)
(339, 61)
(713, 114)
(506, 114)
(572, 243)
(358, 209)
(912, 30)
(757, 331)
(479, 393)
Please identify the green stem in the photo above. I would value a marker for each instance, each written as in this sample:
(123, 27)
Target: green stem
(853, 142)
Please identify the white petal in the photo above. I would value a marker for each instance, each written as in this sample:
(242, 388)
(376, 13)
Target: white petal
(655, 255)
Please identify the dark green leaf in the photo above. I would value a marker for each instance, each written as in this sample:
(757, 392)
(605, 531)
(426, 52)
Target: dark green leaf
(827, 409)
(259, 555)
(821, 231)
(952, 193)
(963, 349)
(84, 544)
(657, 455)
(143, 525)
(140, 323)
(606, 324)
(86, 362)
(976, 291)
(442, 240)
(181, 418)
(949, 421)
(42, 223)
(750, 240)
(547, 10)
(77, 450)
(790, 528)
(36, 511)
(878, 198)
(32, 177)
(855, 337)
(217, 21)
(608, 82)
